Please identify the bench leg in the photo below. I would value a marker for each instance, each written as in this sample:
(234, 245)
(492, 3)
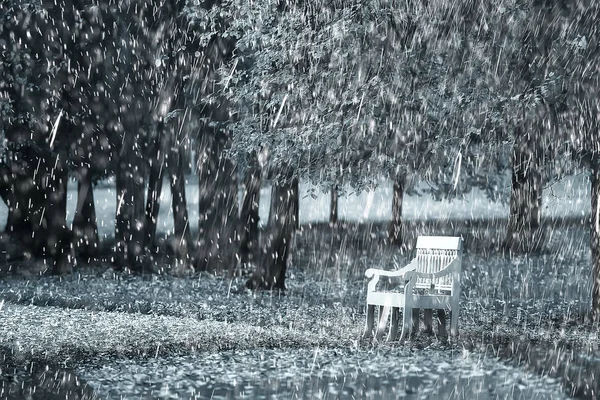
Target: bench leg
(416, 313)
(428, 321)
(454, 322)
(370, 321)
(394, 325)
(384, 315)
(441, 317)
(406, 322)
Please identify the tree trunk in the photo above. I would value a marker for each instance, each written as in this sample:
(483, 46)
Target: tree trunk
(7, 193)
(333, 208)
(526, 197)
(595, 238)
(180, 212)
(249, 216)
(19, 223)
(155, 184)
(85, 226)
(275, 200)
(278, 194)
(395, 230)
(129, 227)
(53, 237)
(296, 199)
(270, 273)
(182, 237)
(218, 208)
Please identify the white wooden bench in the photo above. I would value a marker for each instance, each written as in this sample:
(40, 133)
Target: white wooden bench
(431, 281)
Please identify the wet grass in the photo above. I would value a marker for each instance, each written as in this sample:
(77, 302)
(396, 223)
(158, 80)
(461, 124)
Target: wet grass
(528, 309)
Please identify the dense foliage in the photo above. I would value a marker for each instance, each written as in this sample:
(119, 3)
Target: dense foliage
(458, 94)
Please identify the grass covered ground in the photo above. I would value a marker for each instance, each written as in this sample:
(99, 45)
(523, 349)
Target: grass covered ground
(527, 310)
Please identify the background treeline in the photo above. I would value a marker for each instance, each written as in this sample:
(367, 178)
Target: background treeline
(340, 93)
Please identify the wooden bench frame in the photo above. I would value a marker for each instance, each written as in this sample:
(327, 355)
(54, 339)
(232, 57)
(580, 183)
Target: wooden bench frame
(431, 281)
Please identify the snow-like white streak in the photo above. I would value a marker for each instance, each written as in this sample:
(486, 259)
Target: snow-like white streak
(183, 234)
(55, 166)
(37, 169)
(312, 367)
(360, 107)
(597, 216)
(457, 168)
(369, 204)
(120, 202)
(55, 128)
(279, 112)
(182, 122)
(231, 74)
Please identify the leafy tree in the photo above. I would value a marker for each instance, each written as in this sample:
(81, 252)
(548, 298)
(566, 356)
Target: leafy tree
(207, 39)
(577, 120)
(94, 103)
(38, 75)
(348, 92)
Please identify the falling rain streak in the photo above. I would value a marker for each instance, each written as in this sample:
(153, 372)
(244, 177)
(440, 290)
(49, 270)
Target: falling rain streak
(301, 143)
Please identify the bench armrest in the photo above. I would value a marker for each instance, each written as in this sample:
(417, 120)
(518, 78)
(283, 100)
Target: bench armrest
(392, 274)
(374, 274)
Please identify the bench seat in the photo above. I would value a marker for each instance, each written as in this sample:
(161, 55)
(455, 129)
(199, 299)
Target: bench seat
(431, 281)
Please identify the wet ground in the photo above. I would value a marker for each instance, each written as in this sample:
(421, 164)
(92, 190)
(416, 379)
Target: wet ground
(320, 374)
(146, 336)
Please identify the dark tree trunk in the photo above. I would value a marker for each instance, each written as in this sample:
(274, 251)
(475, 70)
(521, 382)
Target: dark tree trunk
(333, 208)
(296, 199)
(53, 239)
(595, 238)
(278, 195)
(182, 237)
(180, 211)
(22, 188)
(249, 214)
(270, 273)
(17, 223)
(217, 244)
(155, 184)
(523, 233)
(6, 185)
(395, 229)
(129, 227)
(85, 225)
(275, 200)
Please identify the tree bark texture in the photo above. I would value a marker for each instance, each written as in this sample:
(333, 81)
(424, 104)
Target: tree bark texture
(52, 237)
(85, 225)
(395, 229)
(217, 246)
(595, 237)
(129, 229)
(249, 216)
(20, 186)
(182, 237)
(155, 184)
(179, 200)
(278, 194)
(296, 200)
(523, 234)
(270, 272)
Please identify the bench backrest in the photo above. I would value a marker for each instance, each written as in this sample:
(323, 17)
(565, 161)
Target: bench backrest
(433, 254)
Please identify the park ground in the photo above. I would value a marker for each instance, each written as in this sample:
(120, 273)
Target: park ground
(101, 334)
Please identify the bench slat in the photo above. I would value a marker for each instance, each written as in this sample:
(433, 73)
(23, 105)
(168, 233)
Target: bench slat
(439, 242)
(434, 255)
